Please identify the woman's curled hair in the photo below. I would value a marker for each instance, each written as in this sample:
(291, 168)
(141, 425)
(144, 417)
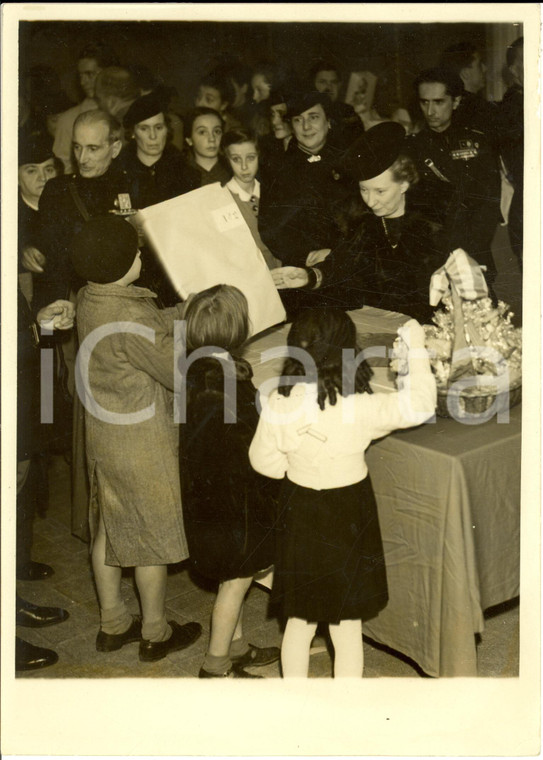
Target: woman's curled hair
(404, 170)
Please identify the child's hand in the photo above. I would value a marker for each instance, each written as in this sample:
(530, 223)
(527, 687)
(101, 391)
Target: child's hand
(58, 315)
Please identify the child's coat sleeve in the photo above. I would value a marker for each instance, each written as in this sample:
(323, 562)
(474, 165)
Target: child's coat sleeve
(156, 357)
(265, 454)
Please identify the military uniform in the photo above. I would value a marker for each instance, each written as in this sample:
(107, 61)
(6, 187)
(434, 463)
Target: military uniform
(65, 204)
(479, 114)
(459, 176)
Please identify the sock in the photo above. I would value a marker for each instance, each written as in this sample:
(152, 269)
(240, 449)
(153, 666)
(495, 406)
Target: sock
(216, 665)
(156, 630)
(116, 619)
(239, 647)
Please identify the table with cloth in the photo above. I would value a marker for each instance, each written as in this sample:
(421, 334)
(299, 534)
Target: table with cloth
(448, 496)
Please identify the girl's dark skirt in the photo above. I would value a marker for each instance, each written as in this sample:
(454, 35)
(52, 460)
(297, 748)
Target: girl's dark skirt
(329, 564)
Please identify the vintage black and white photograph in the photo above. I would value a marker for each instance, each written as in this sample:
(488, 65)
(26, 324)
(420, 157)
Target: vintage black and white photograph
(270, 319)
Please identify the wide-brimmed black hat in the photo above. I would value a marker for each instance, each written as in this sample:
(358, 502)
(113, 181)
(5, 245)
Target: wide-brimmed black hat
(144, 108)
(105, 249)
(375, 151)
(35, 149)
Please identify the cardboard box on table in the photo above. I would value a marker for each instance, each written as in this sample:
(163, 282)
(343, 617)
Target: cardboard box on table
(202, 240)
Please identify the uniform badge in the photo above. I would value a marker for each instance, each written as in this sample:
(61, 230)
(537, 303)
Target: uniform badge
(466, 149)
(123, 205)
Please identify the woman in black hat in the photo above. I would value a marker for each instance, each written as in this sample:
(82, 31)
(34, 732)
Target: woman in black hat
(155, 171)
(36, 166)
(389, 260)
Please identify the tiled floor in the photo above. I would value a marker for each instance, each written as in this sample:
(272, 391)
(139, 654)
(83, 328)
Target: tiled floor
(72, 587)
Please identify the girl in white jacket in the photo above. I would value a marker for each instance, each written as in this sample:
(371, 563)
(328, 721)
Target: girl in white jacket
(313, 433)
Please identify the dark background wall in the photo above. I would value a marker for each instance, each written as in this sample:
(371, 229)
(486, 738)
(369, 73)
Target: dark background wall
(179, 52)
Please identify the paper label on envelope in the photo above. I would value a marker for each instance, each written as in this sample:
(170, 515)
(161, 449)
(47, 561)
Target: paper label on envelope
(227, 218)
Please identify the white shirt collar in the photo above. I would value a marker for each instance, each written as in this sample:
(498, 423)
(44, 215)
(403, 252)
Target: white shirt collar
(233, 186)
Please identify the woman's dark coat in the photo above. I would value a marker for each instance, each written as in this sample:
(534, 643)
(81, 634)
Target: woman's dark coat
(368, 270)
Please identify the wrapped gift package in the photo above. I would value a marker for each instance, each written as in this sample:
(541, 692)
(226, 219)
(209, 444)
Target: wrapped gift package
(202, 240)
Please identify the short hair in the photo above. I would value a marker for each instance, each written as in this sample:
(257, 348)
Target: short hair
(97, 116)
(117, 82)
(324, 333)
(221, 84)
(453, 84)
(322, 65)
(218, 316)
(459, 56)
(101, 53)
(236, 136)
(404, 170)
(512, 51)
(303, 101)
(194, 113)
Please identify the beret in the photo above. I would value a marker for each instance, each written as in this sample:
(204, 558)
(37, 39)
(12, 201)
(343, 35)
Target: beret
(375, 151)
(104, 249)
(143, 108)
(35, 149)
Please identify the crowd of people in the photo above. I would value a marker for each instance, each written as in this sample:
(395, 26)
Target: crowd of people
(350, 204)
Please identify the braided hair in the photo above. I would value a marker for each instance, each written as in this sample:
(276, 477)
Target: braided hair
(324, 333)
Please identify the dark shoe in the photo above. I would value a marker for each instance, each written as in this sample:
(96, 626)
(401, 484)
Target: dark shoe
(230, 673)
(110, 642)
(29, 657)
(182, 636)
(33, 616)
(256, 657)
(34, 571)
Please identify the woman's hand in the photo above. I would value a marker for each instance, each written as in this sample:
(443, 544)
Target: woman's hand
(58, 315)
(33, 260)
(315, 257)
(289, 277)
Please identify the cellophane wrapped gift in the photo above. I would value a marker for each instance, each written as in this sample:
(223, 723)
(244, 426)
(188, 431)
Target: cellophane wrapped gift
(475, 353)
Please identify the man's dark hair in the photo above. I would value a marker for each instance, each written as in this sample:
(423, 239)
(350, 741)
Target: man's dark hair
(118, 82)
(459, 56)
(220, 83)
(101, 53)
(322, 65)
(512, 51)
(453, 83)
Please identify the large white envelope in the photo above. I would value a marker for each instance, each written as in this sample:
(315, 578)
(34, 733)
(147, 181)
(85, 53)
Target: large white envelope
(202, 240)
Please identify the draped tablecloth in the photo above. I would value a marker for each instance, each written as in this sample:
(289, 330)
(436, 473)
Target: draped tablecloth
(448, 496)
